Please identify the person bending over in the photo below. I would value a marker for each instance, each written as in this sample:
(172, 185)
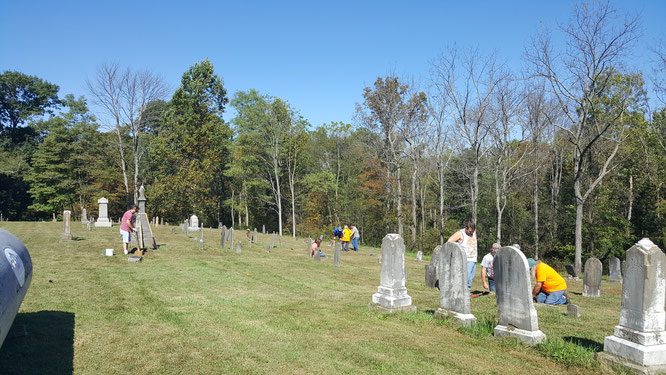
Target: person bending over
(467, 239)
(550, 287)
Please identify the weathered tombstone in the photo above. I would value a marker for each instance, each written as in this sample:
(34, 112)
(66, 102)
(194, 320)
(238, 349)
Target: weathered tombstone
(15, 277)
(272, 240)
(66, 218)
(263, 228)
(614, 273)
(141, 244)
(453, 294)
(187, 230)
(419, 256)
(142, 218)
(639, 340)
(227, 234)
(431, 269)
(84, 216)
(255, 236)
(201, 242)
(317, 255)
(173, 230)
(330, 243)
(239, 247)
(571, 271)
(88, 225)
(194, 224)
(392, 294)
(592, 278)
(624, 267)
(573, 310)
(308, 245)
(268, 249)
(231, 238)
(379, 258)
(103, 214)
(336, 254)
(515, 310)
(54, 218)
(223, 235)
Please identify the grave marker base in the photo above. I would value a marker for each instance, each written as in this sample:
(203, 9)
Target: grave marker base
(466, 320)
(634, 367)
(527, 337)
(391, 310)
(644, 355)
(134, 259)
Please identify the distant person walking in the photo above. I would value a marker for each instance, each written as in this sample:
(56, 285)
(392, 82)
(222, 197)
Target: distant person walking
(354, 237)
(487, 270)
(127, 226)
(346, 237)
(467, 239)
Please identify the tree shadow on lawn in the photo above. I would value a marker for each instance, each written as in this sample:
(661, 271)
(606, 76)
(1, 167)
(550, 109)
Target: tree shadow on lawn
(585, 343)
(39, 343)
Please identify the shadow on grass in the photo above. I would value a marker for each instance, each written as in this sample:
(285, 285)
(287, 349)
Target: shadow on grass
(585, 343)
(39, 343)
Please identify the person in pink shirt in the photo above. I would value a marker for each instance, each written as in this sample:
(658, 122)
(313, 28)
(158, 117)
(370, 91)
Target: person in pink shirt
(315, 246)
(127, 226)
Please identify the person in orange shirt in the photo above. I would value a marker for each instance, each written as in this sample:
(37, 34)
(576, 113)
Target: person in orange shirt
(550, 287)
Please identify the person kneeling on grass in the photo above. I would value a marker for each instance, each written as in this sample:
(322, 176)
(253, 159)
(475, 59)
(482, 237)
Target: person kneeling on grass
(550, 287)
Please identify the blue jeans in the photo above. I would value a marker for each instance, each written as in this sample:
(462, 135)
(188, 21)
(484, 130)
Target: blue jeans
(471, 270)
(491, 285)
(355, 243)
(553, 298)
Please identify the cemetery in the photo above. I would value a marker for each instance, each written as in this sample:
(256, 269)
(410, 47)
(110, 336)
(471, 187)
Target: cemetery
(333, 188)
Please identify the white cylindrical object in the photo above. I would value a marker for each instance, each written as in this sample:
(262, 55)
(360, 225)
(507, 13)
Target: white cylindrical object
(109, 252)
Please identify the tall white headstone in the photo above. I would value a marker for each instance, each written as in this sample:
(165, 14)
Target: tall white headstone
(639, 341)
(194, 224)
(103, 214)
(392, 294)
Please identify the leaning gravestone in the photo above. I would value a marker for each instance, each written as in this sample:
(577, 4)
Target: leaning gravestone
(336, 254)
(431, 269)
(515, 310)
(67, 218)
(615, 275)
(639, 340)
(222, 236)
(571, 271)
(592, 278)
(392, 294)
(194, 224)
(84, 216)
(103, 214)
(15, 277)
(226, 238)
(453, 294)
(419, 256)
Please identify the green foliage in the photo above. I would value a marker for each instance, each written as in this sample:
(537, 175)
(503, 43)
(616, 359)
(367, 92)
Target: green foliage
(570, 354)
(23, 97)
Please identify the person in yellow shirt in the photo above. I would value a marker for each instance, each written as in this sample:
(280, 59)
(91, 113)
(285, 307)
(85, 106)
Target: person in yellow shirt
(346, 237)
(550, 287)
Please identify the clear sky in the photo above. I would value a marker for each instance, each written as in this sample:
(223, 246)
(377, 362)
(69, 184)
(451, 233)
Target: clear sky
(318, 55)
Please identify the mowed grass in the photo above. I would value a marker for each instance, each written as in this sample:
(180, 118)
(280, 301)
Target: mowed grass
(184, 310)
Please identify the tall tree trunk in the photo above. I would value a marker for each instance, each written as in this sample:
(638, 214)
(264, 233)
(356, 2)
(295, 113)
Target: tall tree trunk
(293, 208)
(233, 195)
(475, 191)
(414, 219)
(122, 163)
(631, 197)
(399, 201)
(498, 207)
(578, 264)
(536, 215)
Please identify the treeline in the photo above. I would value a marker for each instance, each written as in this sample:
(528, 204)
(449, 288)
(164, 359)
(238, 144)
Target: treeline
(565, 158)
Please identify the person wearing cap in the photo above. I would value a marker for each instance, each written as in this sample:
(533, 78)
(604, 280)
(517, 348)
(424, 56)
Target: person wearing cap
(550, 287)
(487, 271)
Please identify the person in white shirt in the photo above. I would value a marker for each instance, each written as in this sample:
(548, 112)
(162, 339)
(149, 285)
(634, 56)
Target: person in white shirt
(487, 271)
(467, 239)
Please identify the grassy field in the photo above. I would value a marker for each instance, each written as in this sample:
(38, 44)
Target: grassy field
(184, 310)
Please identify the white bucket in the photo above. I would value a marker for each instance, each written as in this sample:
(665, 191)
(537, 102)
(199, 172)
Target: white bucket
(109, 252)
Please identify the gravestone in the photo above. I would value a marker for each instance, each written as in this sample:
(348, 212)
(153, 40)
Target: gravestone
(231, 238)
(431, 269)
(515, 310)
(263, 228)
(142, 218)
(255, 236)
(173, 230)
(419, 256)
(194, 224)
(103, 214)
(268, 249)
(317, 255)
(454, 297)
(379, 258)
(571, 271)
(84, 216)
(134, 259)
(67, 218)
(201, 242)
(639, 340)
(223, 235)
(88, 225)
(54, 218)
(239, 247)
(330, 243)
(592, 278)
(336, 254)
(272, 240)
(392, 294)
(573, 310)
(615, 275)
(308, 244)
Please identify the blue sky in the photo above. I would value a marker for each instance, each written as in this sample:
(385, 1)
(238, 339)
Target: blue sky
(318, 55)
